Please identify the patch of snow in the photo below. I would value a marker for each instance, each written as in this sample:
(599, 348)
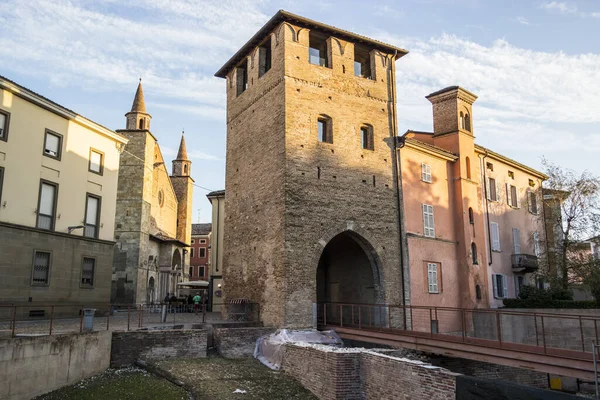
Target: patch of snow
(241, 391)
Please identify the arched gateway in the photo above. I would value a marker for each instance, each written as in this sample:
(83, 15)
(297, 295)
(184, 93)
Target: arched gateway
(349, 271)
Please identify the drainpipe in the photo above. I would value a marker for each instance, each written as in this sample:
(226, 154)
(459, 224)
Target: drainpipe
(398, 144)
(487, 209)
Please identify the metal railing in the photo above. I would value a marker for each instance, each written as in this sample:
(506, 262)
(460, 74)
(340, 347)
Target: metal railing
(536, 332)
(31, 319)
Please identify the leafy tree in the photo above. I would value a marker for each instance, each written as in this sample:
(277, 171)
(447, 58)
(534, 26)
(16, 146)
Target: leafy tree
(578, 219)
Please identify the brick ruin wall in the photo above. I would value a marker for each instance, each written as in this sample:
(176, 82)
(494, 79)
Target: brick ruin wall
(127, 347)
(357, 374)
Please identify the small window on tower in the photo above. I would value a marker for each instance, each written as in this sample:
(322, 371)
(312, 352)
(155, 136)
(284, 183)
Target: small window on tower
(366, 136)
(264, 57)
(362, 62)
(467, 122)
(317, 50)
(185, 169)
(241, 73)
(511, 175)
(489, 166)
(325, 132)
(462, 120)
(141, 123)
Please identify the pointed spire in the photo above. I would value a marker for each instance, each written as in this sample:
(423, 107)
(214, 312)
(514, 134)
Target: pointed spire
(139, 105)
(182, 153)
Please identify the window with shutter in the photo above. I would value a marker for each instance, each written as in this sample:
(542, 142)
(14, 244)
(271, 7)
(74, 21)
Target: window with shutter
(500, 289)
(432, 277)
(52, 145)
(426, 172)
(96, 163)
(92, 216)
(428, 223)
(495, 236)
(517, 241)
(4, 120)
(532, 202)
(366, 134)
(46, 205)
(514, 199)
(492, 189)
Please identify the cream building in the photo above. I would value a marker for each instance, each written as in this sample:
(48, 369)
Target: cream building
(58, 191)
(215, 264)
(153, 228)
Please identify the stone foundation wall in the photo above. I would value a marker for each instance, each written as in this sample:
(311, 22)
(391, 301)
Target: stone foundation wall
(31, 366)
(357, 374)
(238, 342)
(156, 345)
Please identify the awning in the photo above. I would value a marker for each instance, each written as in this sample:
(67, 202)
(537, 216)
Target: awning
(193, 284)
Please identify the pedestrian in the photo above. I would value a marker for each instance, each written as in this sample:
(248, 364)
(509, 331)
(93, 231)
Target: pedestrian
(197, 300)
(166, 300)
(190, 302)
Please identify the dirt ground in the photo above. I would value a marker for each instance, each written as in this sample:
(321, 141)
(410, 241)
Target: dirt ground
(121, 384)
(224, 379)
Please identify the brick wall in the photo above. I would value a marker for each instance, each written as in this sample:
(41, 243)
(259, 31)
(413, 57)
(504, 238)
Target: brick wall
(358, 374)
(327, 374)
(485, 370)
(156, 345)
(386, 377)
(238, 342)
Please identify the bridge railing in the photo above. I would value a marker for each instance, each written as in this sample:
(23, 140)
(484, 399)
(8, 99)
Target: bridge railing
(537, 332)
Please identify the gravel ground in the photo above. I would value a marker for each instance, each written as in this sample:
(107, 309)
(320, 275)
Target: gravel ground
(224, 379)
(121, 384)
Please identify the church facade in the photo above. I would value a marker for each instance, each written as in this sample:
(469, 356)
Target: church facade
(153, 215)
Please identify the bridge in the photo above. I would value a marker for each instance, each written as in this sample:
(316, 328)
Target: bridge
(553, 343)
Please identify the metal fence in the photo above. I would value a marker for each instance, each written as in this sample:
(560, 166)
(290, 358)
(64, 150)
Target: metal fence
(32, 319)
(502, 328)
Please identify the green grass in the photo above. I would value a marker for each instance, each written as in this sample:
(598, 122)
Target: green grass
(218, 378)
(129, 383)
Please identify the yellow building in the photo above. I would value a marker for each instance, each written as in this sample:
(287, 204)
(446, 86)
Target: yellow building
(58, 191)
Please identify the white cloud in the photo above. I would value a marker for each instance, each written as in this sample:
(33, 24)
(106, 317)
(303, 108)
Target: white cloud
(174, 45)
(567, 8)
(561, 7)
(522, 20)
(530, 103)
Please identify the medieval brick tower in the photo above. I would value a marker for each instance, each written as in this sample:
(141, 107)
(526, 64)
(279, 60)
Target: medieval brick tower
(311, 189)
(153, 215)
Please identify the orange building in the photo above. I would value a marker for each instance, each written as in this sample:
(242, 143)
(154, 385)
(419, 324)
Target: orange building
(473, 217)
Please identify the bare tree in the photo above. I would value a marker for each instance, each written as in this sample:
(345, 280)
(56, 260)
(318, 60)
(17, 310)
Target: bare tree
(572, 202)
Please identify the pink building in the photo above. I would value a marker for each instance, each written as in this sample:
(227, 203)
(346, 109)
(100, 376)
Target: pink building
(473, 217)
(199, 252)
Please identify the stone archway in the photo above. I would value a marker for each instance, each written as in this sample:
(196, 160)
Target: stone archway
(349, 271)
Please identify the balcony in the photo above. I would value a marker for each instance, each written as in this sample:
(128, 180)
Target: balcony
(524, 263)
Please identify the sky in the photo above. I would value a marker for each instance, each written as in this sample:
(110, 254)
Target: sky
(534, 65)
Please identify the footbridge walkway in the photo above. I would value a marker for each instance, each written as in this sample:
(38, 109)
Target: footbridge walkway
(559, 344)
